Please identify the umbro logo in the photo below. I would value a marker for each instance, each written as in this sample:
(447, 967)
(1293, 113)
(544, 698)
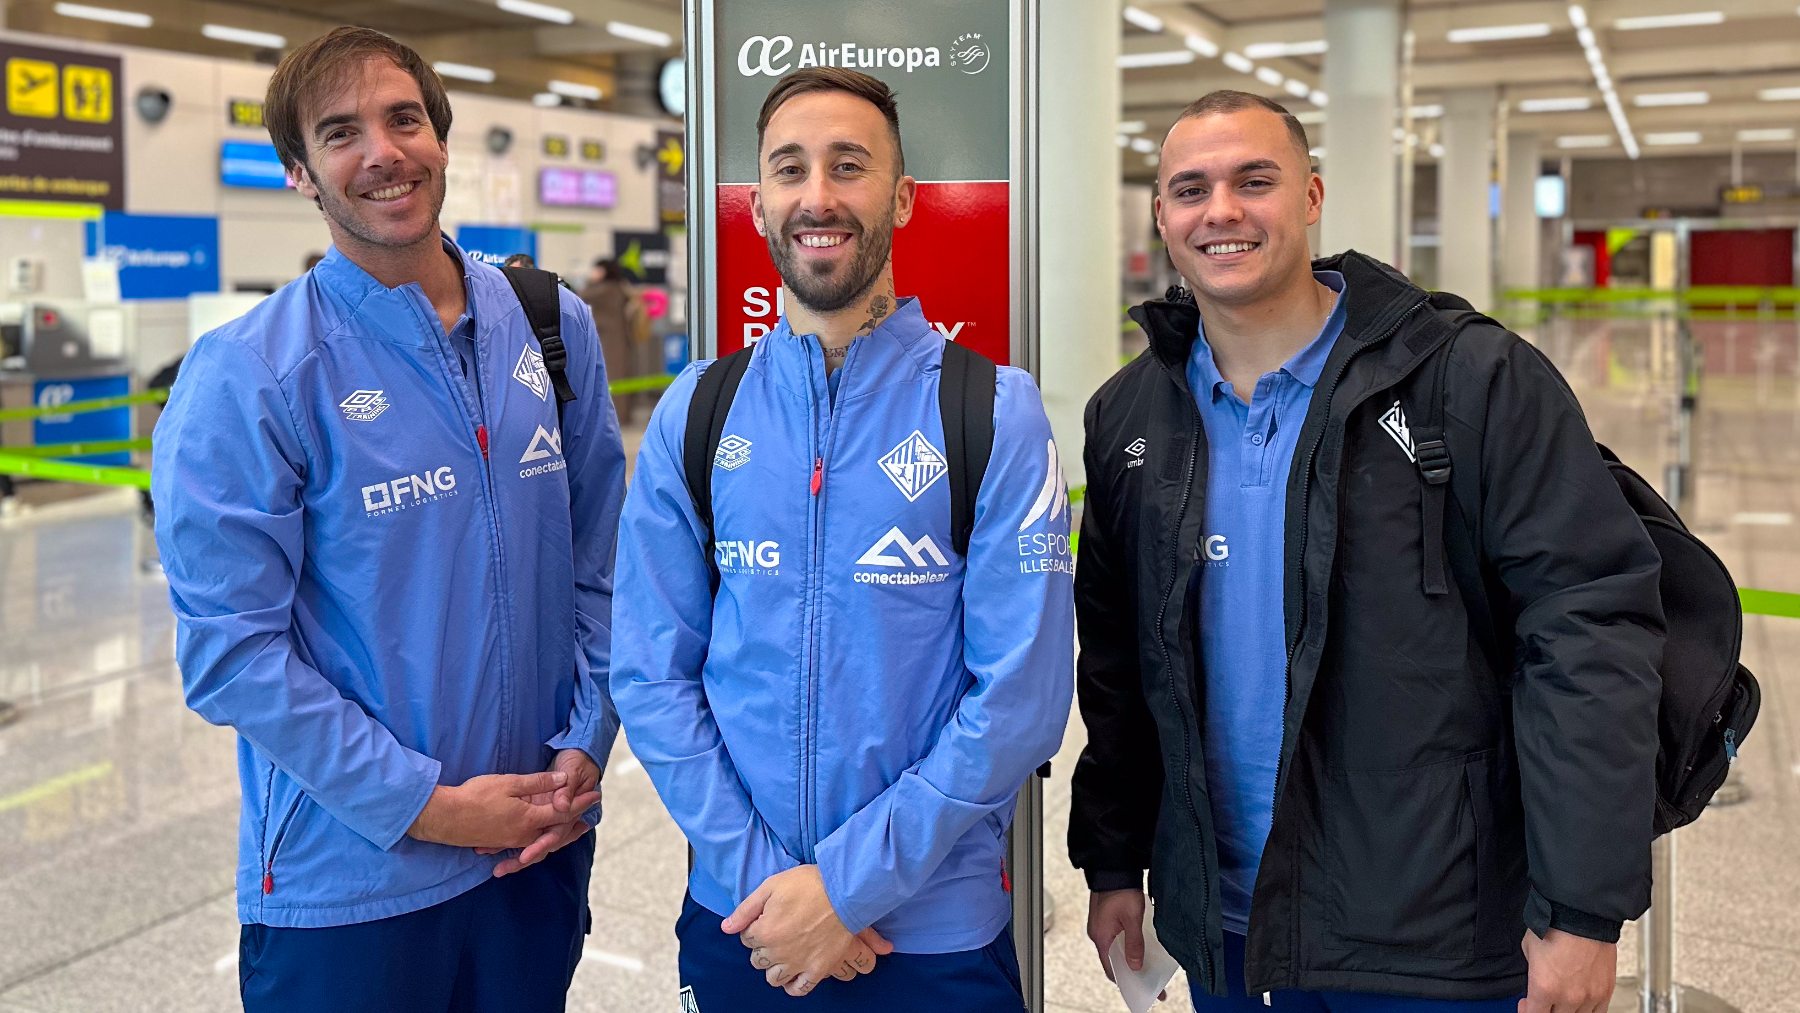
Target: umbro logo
(530, 372)
(733, 453)
(1136, 451)
(1393, 422)
(364, 405)
(914, 466)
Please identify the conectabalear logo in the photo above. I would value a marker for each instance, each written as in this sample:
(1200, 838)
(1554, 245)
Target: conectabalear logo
(774, 55)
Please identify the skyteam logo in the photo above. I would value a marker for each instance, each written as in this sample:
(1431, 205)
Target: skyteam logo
(969, 54)
(364, 405)
(914, 466)
(1393, 422)
(530, 372)
(1047, 551)
(408, 491)
(546, 446)
(733, 453)
(924, 561)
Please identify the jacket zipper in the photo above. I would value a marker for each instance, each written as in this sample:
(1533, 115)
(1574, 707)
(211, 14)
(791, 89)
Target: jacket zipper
(268, 882)
(1162, 642)
(814, 581)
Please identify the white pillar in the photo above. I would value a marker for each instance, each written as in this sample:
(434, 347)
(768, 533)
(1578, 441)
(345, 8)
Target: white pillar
(1520, 260)
(1465, 232)
(1362, 80)
(1079, 265)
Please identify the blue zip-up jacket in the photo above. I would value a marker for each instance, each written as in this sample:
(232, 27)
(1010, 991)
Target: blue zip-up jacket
(856, 696)
(386, 576)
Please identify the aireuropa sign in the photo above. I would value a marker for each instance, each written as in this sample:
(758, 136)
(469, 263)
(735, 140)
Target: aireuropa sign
(957, 74)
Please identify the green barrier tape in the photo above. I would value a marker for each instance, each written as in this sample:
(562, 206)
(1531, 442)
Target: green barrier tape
(80, 449)
(1769, 603)
(63, 471)
(77, 407)
(638, 384)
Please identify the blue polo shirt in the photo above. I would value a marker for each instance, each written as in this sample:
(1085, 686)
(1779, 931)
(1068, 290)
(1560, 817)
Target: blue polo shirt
(1243, 636)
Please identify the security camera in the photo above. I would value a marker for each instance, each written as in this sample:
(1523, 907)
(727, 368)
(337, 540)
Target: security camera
(499, 139)
(153, 103)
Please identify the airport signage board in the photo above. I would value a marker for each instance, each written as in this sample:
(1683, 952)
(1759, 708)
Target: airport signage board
(62, 133)
(159, 256)
(953, 65)
(492, 244)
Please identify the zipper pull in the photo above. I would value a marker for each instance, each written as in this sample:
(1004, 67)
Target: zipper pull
(818, 477)
(1005, 880)
(481, 438)
(269, 879)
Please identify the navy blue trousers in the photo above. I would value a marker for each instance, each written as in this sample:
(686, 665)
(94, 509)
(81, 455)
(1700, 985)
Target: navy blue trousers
(716, 968)
(1295, 1001)
(509, 944)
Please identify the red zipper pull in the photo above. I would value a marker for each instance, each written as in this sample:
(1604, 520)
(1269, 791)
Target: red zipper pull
(481, 438)
(269, 880)
(1005, 880)
(818, 478)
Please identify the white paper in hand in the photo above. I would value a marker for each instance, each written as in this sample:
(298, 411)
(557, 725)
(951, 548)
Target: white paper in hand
(1140, 988)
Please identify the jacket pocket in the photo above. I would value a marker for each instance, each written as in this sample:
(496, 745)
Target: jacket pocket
(277, 827)
(1402, 857)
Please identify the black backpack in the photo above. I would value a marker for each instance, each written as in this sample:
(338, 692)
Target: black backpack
(537, 292)
(1709, 700)
(965, 406)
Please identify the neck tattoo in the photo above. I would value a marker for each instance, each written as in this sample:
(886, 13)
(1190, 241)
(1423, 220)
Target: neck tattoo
(837, 353)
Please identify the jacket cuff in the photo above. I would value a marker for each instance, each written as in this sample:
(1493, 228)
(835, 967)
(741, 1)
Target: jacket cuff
(1099, 880)
(1543, 914)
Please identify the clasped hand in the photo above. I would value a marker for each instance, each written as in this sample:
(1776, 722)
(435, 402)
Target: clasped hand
(538, 813)
(795, 938)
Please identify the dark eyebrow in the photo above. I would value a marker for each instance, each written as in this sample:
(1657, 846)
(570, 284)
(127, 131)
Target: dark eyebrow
(836, 147)
(403, 106)
(1199, 175)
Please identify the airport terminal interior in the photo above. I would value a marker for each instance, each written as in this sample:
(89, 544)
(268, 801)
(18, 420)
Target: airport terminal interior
(1618, 181)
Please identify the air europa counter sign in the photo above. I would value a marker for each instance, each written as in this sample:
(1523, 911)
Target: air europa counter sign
(951, 64)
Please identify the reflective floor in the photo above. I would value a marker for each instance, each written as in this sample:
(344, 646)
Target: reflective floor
(118, 806)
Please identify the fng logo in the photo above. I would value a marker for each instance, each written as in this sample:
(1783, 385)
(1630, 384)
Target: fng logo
(408, 491)
(1215, 549)
(752, 557)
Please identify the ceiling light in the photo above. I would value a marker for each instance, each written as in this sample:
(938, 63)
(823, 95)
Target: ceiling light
(1168, 58)
(1296, 87)
(1143, 19)
(543, 12)
(1152, 158)
(1773, 134)
(1318, 152)
(1143, 144)
(1270, 76)
(1578, 16)
(1585, 141)
(1678, 137)
(637, 33)
(1317, 97)
(1588, 43)
(1238, 62)
(1132, 127)
(1310, 118)
(1202, 45)
(1436, 150)
(1124, 142)
(571, 89)
(546, 99)
(130, 19)
(1672, 98)
(464, 72)
(1430, 112)
(1271, 50)
(1779, 94)
(1670, 21)
(1555, 105)
(226, 33)
(1499, 32)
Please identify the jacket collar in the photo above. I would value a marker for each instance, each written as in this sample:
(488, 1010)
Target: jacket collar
(394, 314)
(899, 349)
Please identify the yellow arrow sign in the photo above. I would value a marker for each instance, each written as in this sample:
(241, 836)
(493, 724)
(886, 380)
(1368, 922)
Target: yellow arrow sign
(671, 157)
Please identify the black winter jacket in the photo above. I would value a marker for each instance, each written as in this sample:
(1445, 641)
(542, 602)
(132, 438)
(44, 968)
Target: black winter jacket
(1454, 766)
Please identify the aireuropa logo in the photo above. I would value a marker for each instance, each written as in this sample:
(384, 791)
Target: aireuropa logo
(408, 491)
(753, 557)
(773, 56)
(969, 54)
(920, 557)
(364, 405)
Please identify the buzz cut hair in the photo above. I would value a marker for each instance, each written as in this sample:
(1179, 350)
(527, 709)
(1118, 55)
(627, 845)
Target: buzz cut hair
(1227, 100)
(870, 89)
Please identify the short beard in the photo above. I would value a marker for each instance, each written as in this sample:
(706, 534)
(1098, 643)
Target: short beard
(819, 293)
(340, 211)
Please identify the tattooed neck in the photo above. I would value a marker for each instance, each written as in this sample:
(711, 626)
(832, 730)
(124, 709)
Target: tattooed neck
(880, 305)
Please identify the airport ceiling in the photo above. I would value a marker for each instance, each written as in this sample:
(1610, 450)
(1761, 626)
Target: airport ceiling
(1709, 76)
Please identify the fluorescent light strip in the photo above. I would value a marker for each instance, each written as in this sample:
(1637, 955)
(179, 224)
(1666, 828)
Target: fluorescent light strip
(1143, 19)
(1238, 62)
(1124, 142)
(1436, 151)
(1677, 137)
(1597, 63)
(1499, 33)
(1589, 44)
(243, 36)
(1270, 76)
(1202, 45)
(1310, 118)
(1272, 50)
(1779, 94)
(546, 100)
(1143, 145)
(1773, 134)
(543, 12)
(1585, 141)
(638, 33)
(130, 19)
(1428, 112)
(1132, 127)
(1317, 97)
(1670, 21)
(1169, 58)
(1296, 87)
(463, 71)
(1555, 105)
(1672, 98)
(1578, 17)
(570, 89)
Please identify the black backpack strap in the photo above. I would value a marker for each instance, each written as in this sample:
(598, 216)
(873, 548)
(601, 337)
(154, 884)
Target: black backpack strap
(1432, 455)
(713, 393)
(966, 408)
(537, 292)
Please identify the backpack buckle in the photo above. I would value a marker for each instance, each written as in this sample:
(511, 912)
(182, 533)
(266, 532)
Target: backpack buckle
(1433, 458)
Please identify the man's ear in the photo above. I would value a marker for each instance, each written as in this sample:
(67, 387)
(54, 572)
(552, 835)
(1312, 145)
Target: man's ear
(906, 191)
(756, 212)
(302, 181)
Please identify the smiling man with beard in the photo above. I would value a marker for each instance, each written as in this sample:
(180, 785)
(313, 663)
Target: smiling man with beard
(389, 548)
(837, 688)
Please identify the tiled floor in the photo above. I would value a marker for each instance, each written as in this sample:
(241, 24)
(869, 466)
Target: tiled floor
(117, 805)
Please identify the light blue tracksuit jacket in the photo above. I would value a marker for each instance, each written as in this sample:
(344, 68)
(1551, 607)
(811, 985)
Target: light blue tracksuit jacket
(387, 576)
(856, 695)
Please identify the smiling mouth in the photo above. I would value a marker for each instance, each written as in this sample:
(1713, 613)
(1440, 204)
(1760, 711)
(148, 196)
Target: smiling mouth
(821, 241)
(388, 193)
(1223, 249)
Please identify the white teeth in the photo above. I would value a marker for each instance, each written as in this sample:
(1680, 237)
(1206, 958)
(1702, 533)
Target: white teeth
(820, 241)
(391, 192)
(1222, 248)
